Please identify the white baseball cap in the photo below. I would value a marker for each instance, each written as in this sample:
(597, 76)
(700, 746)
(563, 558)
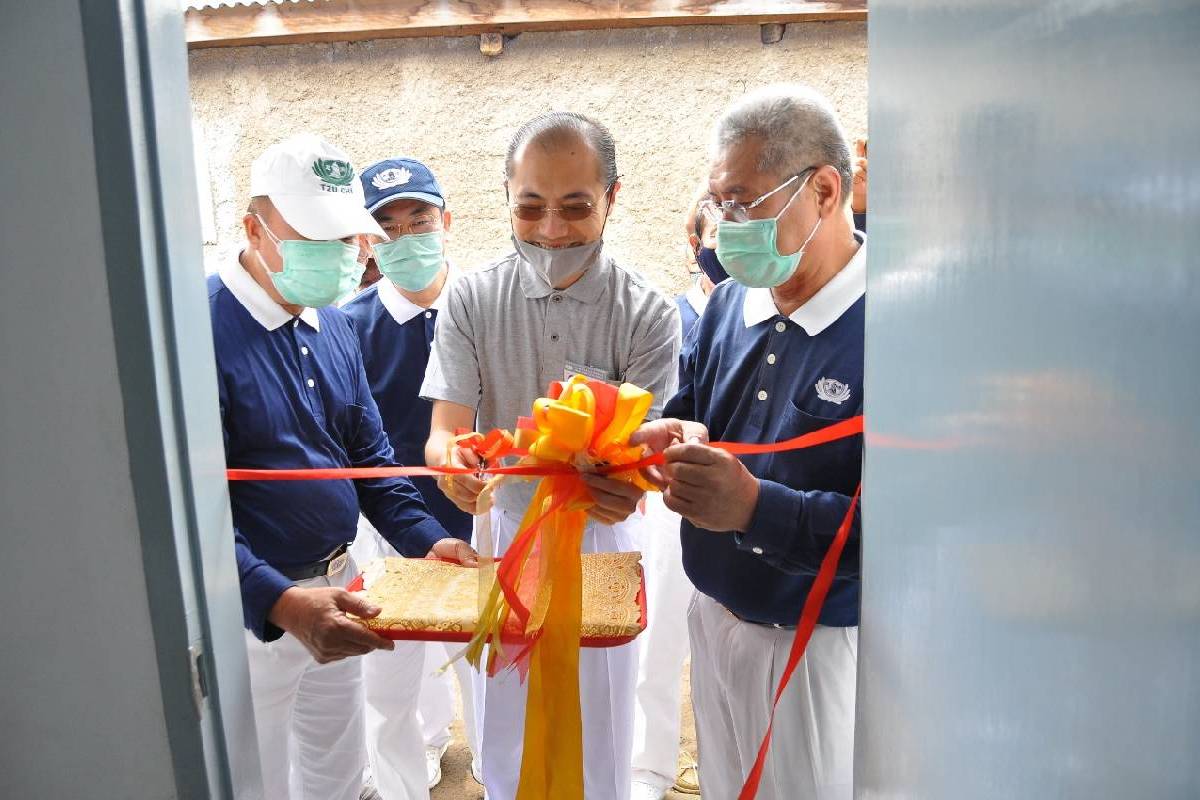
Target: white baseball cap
(314, 187)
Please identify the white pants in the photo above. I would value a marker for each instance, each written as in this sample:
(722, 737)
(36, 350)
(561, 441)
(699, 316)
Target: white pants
(663, 648)
(392, 685)
(435, 712)
(309, 716)
(606, 683)
(736, 667)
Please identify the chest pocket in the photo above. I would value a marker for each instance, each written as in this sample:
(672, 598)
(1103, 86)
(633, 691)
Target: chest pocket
(348, 426)
(832, 467)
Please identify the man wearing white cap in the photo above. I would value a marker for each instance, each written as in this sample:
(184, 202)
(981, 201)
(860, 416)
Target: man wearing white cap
(293, 394)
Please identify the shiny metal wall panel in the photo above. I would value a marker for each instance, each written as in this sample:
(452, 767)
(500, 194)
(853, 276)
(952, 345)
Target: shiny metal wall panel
(1031, 603)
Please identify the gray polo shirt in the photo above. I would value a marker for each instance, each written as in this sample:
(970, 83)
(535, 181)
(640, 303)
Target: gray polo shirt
(505, 334)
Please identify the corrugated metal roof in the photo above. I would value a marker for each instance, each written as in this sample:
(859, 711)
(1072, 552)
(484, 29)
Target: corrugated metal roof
(219, 3)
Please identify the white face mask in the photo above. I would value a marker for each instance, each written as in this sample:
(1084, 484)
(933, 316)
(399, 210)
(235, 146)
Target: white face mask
(557, 266)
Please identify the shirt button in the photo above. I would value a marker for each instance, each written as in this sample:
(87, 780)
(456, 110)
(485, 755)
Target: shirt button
(556, 298)
(295, 323)
(554, 337)
(756, 550)
(428, 315)
(771, 358)
(303, 351)
(311, 383)
(762, 394)
(781, 326)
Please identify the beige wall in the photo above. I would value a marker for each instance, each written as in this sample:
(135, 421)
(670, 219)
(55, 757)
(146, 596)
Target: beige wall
(440, 100)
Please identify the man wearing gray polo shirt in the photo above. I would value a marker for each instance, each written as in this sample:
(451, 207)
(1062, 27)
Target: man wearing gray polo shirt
(555, 307)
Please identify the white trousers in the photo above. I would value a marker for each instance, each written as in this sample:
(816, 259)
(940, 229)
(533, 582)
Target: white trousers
(663, 648)
(736, 667)
(309, 716)
(393, 683)
(606, 684)
(435, 712)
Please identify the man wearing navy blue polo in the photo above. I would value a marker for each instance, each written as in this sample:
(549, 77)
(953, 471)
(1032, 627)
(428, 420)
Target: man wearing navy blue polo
(293, 394)
(778, 353)
(395, 319)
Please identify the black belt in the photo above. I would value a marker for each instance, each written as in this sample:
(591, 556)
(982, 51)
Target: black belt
(331, 564)
(761, 624)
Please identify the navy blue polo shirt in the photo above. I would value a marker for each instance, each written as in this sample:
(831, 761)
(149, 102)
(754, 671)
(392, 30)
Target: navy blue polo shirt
(860, 221)
(691, 306)
(293, 394)
(395, 336)
(753, 375)
(688, 315)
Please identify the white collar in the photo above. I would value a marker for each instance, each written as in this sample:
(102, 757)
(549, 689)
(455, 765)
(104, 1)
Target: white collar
(697, 299)
(255, 299)
(401, 308)
(823, 308)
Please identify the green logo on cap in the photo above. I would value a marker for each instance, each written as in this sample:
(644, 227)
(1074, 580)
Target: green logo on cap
(333, 172)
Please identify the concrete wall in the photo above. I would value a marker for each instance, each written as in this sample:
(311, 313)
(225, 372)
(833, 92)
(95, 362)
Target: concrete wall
(658, 89)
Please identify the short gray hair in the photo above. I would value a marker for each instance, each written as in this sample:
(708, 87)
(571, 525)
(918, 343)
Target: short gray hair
(554, 127)
(798, 126)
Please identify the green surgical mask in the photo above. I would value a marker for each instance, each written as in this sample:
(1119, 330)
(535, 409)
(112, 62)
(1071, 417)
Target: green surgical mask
(749, 251)
(411, 262)
(315, 274)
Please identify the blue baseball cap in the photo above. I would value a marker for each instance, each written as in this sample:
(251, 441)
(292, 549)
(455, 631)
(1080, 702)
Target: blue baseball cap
(399, 179)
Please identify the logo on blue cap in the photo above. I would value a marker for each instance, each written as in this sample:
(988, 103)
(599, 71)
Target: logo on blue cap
(391, 177)
(399, 179)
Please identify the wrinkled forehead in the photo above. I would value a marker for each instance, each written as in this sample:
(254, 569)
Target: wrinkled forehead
(735, 169)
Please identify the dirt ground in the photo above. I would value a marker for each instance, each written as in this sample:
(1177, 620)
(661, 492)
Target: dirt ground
(457, 783)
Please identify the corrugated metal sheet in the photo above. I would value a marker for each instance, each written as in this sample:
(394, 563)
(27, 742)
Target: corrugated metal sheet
(231, 3)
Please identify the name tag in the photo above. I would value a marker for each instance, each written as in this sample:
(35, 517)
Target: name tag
(595, 373)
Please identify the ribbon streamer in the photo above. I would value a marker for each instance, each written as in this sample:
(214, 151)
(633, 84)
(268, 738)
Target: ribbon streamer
(804, 629)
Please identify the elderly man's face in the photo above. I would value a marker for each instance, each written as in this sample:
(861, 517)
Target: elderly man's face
(564, 175)
(735, 176)
(268, 222)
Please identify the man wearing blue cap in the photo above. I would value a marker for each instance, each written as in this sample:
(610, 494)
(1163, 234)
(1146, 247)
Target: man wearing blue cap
(395, 319)
(293, 394)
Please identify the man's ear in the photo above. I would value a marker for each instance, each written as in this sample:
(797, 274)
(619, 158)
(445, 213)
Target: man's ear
(253, 229)
(612, 198)
(827, 183)
(447, 218)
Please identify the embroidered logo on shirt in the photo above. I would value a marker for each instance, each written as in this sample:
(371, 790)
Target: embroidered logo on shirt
(391, 177)
(333, 171)
(833, 391)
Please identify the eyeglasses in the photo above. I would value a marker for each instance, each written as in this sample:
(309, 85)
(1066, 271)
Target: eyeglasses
(728, 210)
(424, 223)
(571, 212)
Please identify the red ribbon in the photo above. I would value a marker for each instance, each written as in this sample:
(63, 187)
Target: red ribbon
(804, 629)
(839, 430)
